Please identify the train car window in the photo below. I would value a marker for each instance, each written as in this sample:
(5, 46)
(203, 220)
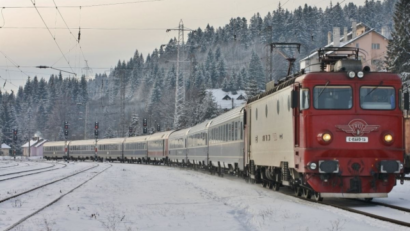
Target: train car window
(266, 111)
(256, 114)
(304, 99)
(277, 106)
(377, 98)
(288, 102)
(332, 97)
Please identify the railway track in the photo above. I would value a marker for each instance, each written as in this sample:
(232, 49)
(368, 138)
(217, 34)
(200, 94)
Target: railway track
(342, 207)
(31, 170)
(42, 186)
(34, 173)
(10, 166)
(55, 200)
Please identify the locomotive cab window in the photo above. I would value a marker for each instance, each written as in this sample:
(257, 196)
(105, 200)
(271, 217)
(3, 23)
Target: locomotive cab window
(304, 99)
(377, 98)
(332, 97)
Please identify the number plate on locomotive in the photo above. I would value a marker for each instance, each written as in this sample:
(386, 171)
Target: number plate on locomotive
(356, 139)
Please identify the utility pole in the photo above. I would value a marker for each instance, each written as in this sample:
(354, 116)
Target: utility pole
(179, 88)
(85, 120)
(122, 92)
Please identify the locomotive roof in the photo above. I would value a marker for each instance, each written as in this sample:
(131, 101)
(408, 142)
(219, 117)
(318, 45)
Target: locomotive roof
(342, 76)
(180, 133)
(232, 114)
(136, 139)
(199, 127)
(55, 143)
(160, 135)
(111, 141)
(82, 142)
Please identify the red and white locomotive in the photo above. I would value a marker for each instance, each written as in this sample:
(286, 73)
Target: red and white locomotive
(329, 134)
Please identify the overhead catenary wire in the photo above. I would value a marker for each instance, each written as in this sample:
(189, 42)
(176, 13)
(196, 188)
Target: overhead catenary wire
(93, 5)
(67, 27)
(45, 24)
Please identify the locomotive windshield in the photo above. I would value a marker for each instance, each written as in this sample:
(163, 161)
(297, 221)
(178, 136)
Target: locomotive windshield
(378, 98)
(332, 97)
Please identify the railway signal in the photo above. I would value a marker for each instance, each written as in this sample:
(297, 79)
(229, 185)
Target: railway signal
(96, 126)
(66, 128)
(15, 131)
(145, 130)
(158, 127)
(144, 122)
(130, 131)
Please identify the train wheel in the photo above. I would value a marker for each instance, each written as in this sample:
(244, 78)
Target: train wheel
(368, 199)
(316, 196)
(297, 191)
(276, 186)
(271, 184)
(306, 193)
(264, 184)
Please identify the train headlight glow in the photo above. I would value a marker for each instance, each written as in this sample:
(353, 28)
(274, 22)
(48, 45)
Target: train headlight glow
(388, 138)
(351, 74)
(360, 74)
(327, 137)
(312, 166)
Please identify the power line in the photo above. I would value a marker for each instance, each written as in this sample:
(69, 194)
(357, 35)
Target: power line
(82, 28)
(85, 60)
(14, 63)
(95, 5)
(52, 36)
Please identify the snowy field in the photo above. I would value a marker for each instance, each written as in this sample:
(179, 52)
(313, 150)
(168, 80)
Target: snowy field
(140, 197)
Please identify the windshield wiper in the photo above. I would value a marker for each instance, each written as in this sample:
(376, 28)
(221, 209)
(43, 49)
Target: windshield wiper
(323, 89)
(381, 83)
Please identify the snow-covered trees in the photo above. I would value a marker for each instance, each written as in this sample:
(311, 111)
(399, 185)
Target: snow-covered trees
(255, 71)
(398, 54)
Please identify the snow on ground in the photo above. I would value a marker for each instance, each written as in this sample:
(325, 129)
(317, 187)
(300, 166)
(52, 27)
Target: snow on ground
(141, 197)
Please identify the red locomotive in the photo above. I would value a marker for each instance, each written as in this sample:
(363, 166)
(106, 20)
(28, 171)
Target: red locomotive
(329, 134)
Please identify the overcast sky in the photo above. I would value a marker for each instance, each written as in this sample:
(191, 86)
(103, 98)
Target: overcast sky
(109, 32)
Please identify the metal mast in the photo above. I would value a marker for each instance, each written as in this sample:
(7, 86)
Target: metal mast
(179, 88)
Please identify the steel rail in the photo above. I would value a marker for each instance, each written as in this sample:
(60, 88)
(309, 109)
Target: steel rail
(54, 201)
(10, 166)
(34, 173)
(14, 173)
(44, 185)
(397, 222)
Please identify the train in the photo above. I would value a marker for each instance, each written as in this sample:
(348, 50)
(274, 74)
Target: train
(334, 133)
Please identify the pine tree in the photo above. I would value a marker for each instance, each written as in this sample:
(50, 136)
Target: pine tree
(398, 50)
(252, 88)
(209, 108)
(256, 71)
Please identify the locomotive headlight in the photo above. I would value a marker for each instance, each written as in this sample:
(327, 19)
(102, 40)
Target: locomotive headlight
(360, 74)
(312, 166)
(326, 137)
(388, 138)
(351, 74)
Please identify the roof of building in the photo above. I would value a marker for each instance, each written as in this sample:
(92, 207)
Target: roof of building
(5, 146)
(219, 94)
(343, 44)
(41, 142)
(34, 143)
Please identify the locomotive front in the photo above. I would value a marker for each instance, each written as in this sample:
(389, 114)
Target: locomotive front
(350, 142)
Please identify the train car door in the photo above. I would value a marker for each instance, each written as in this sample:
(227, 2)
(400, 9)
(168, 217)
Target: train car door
(296, 115)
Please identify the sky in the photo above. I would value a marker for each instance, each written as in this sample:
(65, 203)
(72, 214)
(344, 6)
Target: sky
(109, 32)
